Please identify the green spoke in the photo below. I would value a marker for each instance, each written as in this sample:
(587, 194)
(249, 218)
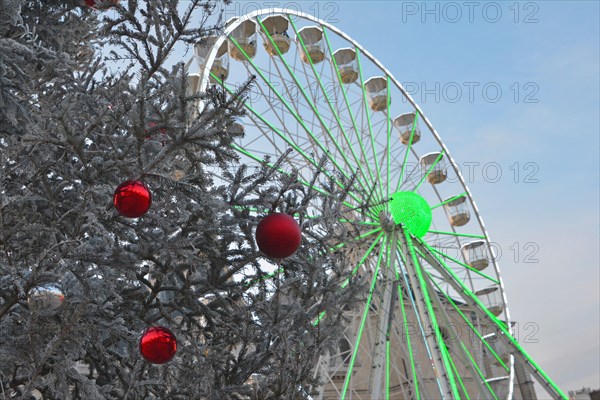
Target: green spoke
(334, 113)
(353, 272)
(437, 160)
(408, 147)
(475, 331)
(294, 114)
(466, 266)
(499, 324)
(368, 114)
(364, 235)
(361, 328)
(449, 200)
(432, 315)
(387, 367)
(341, 86)
(348, 106)
(407, 334)
(455, 372)
(457, 234)
(480, 373)
(362, 260)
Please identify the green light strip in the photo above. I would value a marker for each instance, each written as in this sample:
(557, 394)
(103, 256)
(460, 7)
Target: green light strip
(455, 372)
(361, 328)
(449, 200)
(412, 133)
(356, 130)
(467, 266)
(487, 345)
(465, 349)
(457, 234)
(362, 260)
(405, 322)
(499, 324)
(334, 113)
(347, 280)
(479, 372)
(364, 235)
(437, 160)
(432, 315)
(318, 320)
(293, 113)
(368, 114)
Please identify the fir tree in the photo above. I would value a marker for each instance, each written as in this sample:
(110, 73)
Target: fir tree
(89, 100)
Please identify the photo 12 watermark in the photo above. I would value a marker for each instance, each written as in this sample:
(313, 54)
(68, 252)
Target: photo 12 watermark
(453, 12)
(472, 92)
(327, 11)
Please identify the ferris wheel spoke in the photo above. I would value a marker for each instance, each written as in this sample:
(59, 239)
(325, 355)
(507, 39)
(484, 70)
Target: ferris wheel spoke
(294, 146)
(367, 113)
(457, 234)
(431, 167)
(405, 324)
(357, 131)
(408, 149)
(519, 352)
(293, 113)
(334, 113)
(423, 327)
(461, 353)
(441, 253)
(449, 200)
(361, 327)
(473, 330)
(417, 280)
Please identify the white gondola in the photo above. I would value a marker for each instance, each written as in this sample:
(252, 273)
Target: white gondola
(404, 123)
(220, 67)
(438, 172)
(457, 210)
(311, 46)
(475, 254)
(376, 88)
(275, 27)
(490, 297)
(345, 60)
(244, 36)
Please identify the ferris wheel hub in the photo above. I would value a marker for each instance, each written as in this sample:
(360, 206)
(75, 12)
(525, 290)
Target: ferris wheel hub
(412, 211)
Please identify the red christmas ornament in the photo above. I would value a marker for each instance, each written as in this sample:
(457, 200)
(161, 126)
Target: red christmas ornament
(278, 235)
(158, 345)
(132, 199)
(100, 3)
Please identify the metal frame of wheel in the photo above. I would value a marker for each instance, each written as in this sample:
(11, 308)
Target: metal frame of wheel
(407, 340)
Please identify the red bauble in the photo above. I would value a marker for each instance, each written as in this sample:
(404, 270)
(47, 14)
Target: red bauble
(278, 235)
(132, 199)
(100, 3)
(158, 345)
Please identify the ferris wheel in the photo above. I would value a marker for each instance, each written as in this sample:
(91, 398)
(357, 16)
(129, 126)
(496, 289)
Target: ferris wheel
(435, 322)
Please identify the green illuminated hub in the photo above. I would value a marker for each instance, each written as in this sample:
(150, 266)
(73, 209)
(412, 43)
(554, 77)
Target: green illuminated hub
(411, 210)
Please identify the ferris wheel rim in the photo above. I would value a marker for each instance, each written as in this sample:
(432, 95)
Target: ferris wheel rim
(205, 77)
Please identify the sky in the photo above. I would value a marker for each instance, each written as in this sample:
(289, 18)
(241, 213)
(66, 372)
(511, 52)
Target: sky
(513, 90)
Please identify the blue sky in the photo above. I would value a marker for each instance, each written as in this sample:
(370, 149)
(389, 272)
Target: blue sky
(512, 88)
